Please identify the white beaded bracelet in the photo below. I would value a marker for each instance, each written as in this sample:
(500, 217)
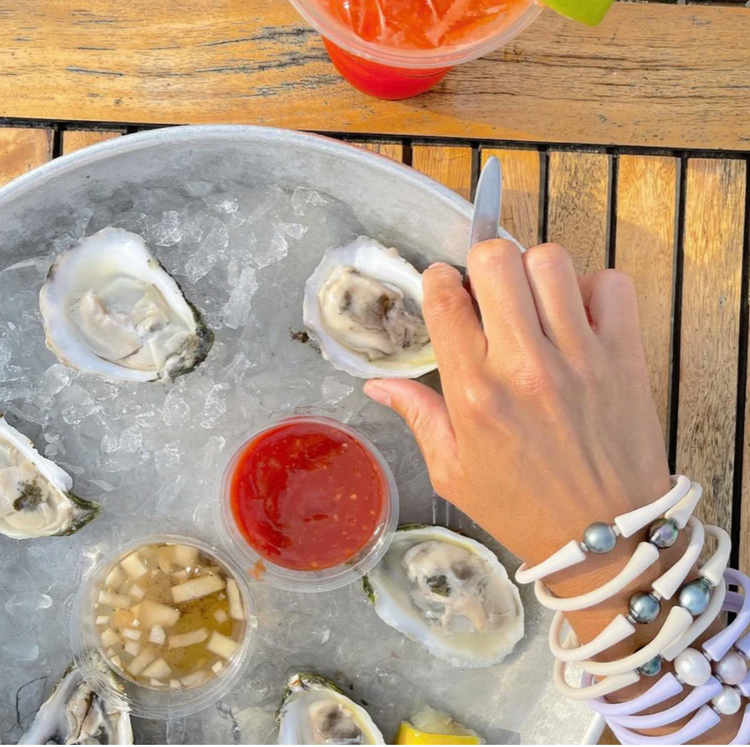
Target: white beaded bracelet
(677, 505)
(645, 555)
(617, 631)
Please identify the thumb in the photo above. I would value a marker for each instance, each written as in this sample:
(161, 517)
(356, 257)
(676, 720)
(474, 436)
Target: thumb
(425, 413)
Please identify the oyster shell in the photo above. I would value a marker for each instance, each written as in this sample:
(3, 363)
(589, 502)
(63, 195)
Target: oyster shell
(35, 497)
(449, 593)
(110, 309)
(76, 714)
(363, 305)
(314, 711)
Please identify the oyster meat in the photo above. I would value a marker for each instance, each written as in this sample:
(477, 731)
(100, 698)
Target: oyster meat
(76, 714)
(449, 593)
(314, 711)
(363, 305)
(35, 497)
(110, 309)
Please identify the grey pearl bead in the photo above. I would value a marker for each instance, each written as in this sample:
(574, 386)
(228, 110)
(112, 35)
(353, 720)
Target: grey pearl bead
(694, 596)
(652, 667)
(663, 533)
(599, 538)
(643, 607)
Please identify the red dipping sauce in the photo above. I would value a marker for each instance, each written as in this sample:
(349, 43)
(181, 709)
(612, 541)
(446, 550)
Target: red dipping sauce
(307, 494)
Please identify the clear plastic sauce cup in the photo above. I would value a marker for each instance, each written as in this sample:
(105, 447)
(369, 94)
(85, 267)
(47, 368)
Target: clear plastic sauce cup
(389, 68)
(314, 506)
(112, 683)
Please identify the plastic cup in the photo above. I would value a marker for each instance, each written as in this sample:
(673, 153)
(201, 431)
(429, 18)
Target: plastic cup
(328, 578)
(143, 701)
(391, 73)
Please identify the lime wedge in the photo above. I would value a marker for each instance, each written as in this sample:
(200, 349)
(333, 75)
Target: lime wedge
(589, 12)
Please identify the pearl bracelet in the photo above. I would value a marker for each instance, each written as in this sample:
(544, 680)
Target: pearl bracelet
(677, 505)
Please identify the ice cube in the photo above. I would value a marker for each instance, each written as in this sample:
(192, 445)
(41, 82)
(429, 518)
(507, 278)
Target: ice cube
(55, 378)
(334, 390)
(270, 252)
(295, 230)
(238, 307)
(215, 241)
(167, 232)
(25, 603)
(176, 410)
(302, 197)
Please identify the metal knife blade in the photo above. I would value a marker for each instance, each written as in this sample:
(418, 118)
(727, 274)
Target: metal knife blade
(486, 217)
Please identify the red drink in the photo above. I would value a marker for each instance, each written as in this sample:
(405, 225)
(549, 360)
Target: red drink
(394, 49)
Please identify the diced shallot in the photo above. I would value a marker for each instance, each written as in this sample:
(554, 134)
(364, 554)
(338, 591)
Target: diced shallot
(158, 669)
(188, 639)
(236, 610)
(142, 661)
(134, 566)
(196, 588)
(157, 635)
(221, 645)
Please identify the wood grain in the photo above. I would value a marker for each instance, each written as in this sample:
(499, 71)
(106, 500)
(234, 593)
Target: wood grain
(392, 150)
(522, 174)
(578, 206)
(449, 165)
(73, 140)
(22, 150)
(651, 74)
(709, 349)
(646, 210)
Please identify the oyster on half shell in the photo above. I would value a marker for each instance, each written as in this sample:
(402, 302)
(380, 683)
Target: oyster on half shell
(76, 714)
(363, 305)
(449, 593)
(110, 309)
(314, 711)
(35, 497)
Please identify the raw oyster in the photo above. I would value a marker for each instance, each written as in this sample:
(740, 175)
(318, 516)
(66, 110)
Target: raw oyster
(35, 497)
(314, 711)
(363, 305)
(76, 714)
(110, 309)
(449, 593)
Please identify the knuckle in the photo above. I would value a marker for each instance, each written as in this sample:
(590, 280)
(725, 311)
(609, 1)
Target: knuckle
(615, 281)
(441, 303)
(533, 378)
(478, 395)
(489, 254)
(546, 255)
(588, 370)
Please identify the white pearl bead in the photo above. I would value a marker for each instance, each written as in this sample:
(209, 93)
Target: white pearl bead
(727, 702)
(692, 667)
(731, 669)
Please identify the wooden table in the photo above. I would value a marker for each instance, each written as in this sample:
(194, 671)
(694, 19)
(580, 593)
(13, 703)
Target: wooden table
(627, 143)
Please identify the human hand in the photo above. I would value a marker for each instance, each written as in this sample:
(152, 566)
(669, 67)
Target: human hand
(546, 422)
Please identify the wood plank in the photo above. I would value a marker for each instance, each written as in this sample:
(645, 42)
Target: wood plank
(73, 140)
(450, 165)
(651, 74)
(578, 206)
(647, 193)
(522, 176)
(709, 348)
(392, 150)
(23, 149)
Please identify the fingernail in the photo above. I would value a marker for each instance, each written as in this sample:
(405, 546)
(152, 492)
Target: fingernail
(376, 392)
(437, 265)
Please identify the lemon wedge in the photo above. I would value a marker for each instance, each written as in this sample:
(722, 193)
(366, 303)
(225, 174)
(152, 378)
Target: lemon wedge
(589, 12)
(407, 734)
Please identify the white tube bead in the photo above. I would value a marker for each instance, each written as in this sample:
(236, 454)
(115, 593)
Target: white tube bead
(567, 556)
(676, 624)
(668, 583)
(617, 631)
(699, 625)
(713, 569)
(684, 508)
(644, 556)
(634, 521)
(607, 686)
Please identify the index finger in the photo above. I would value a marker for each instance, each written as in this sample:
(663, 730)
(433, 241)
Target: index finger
(452, 322)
